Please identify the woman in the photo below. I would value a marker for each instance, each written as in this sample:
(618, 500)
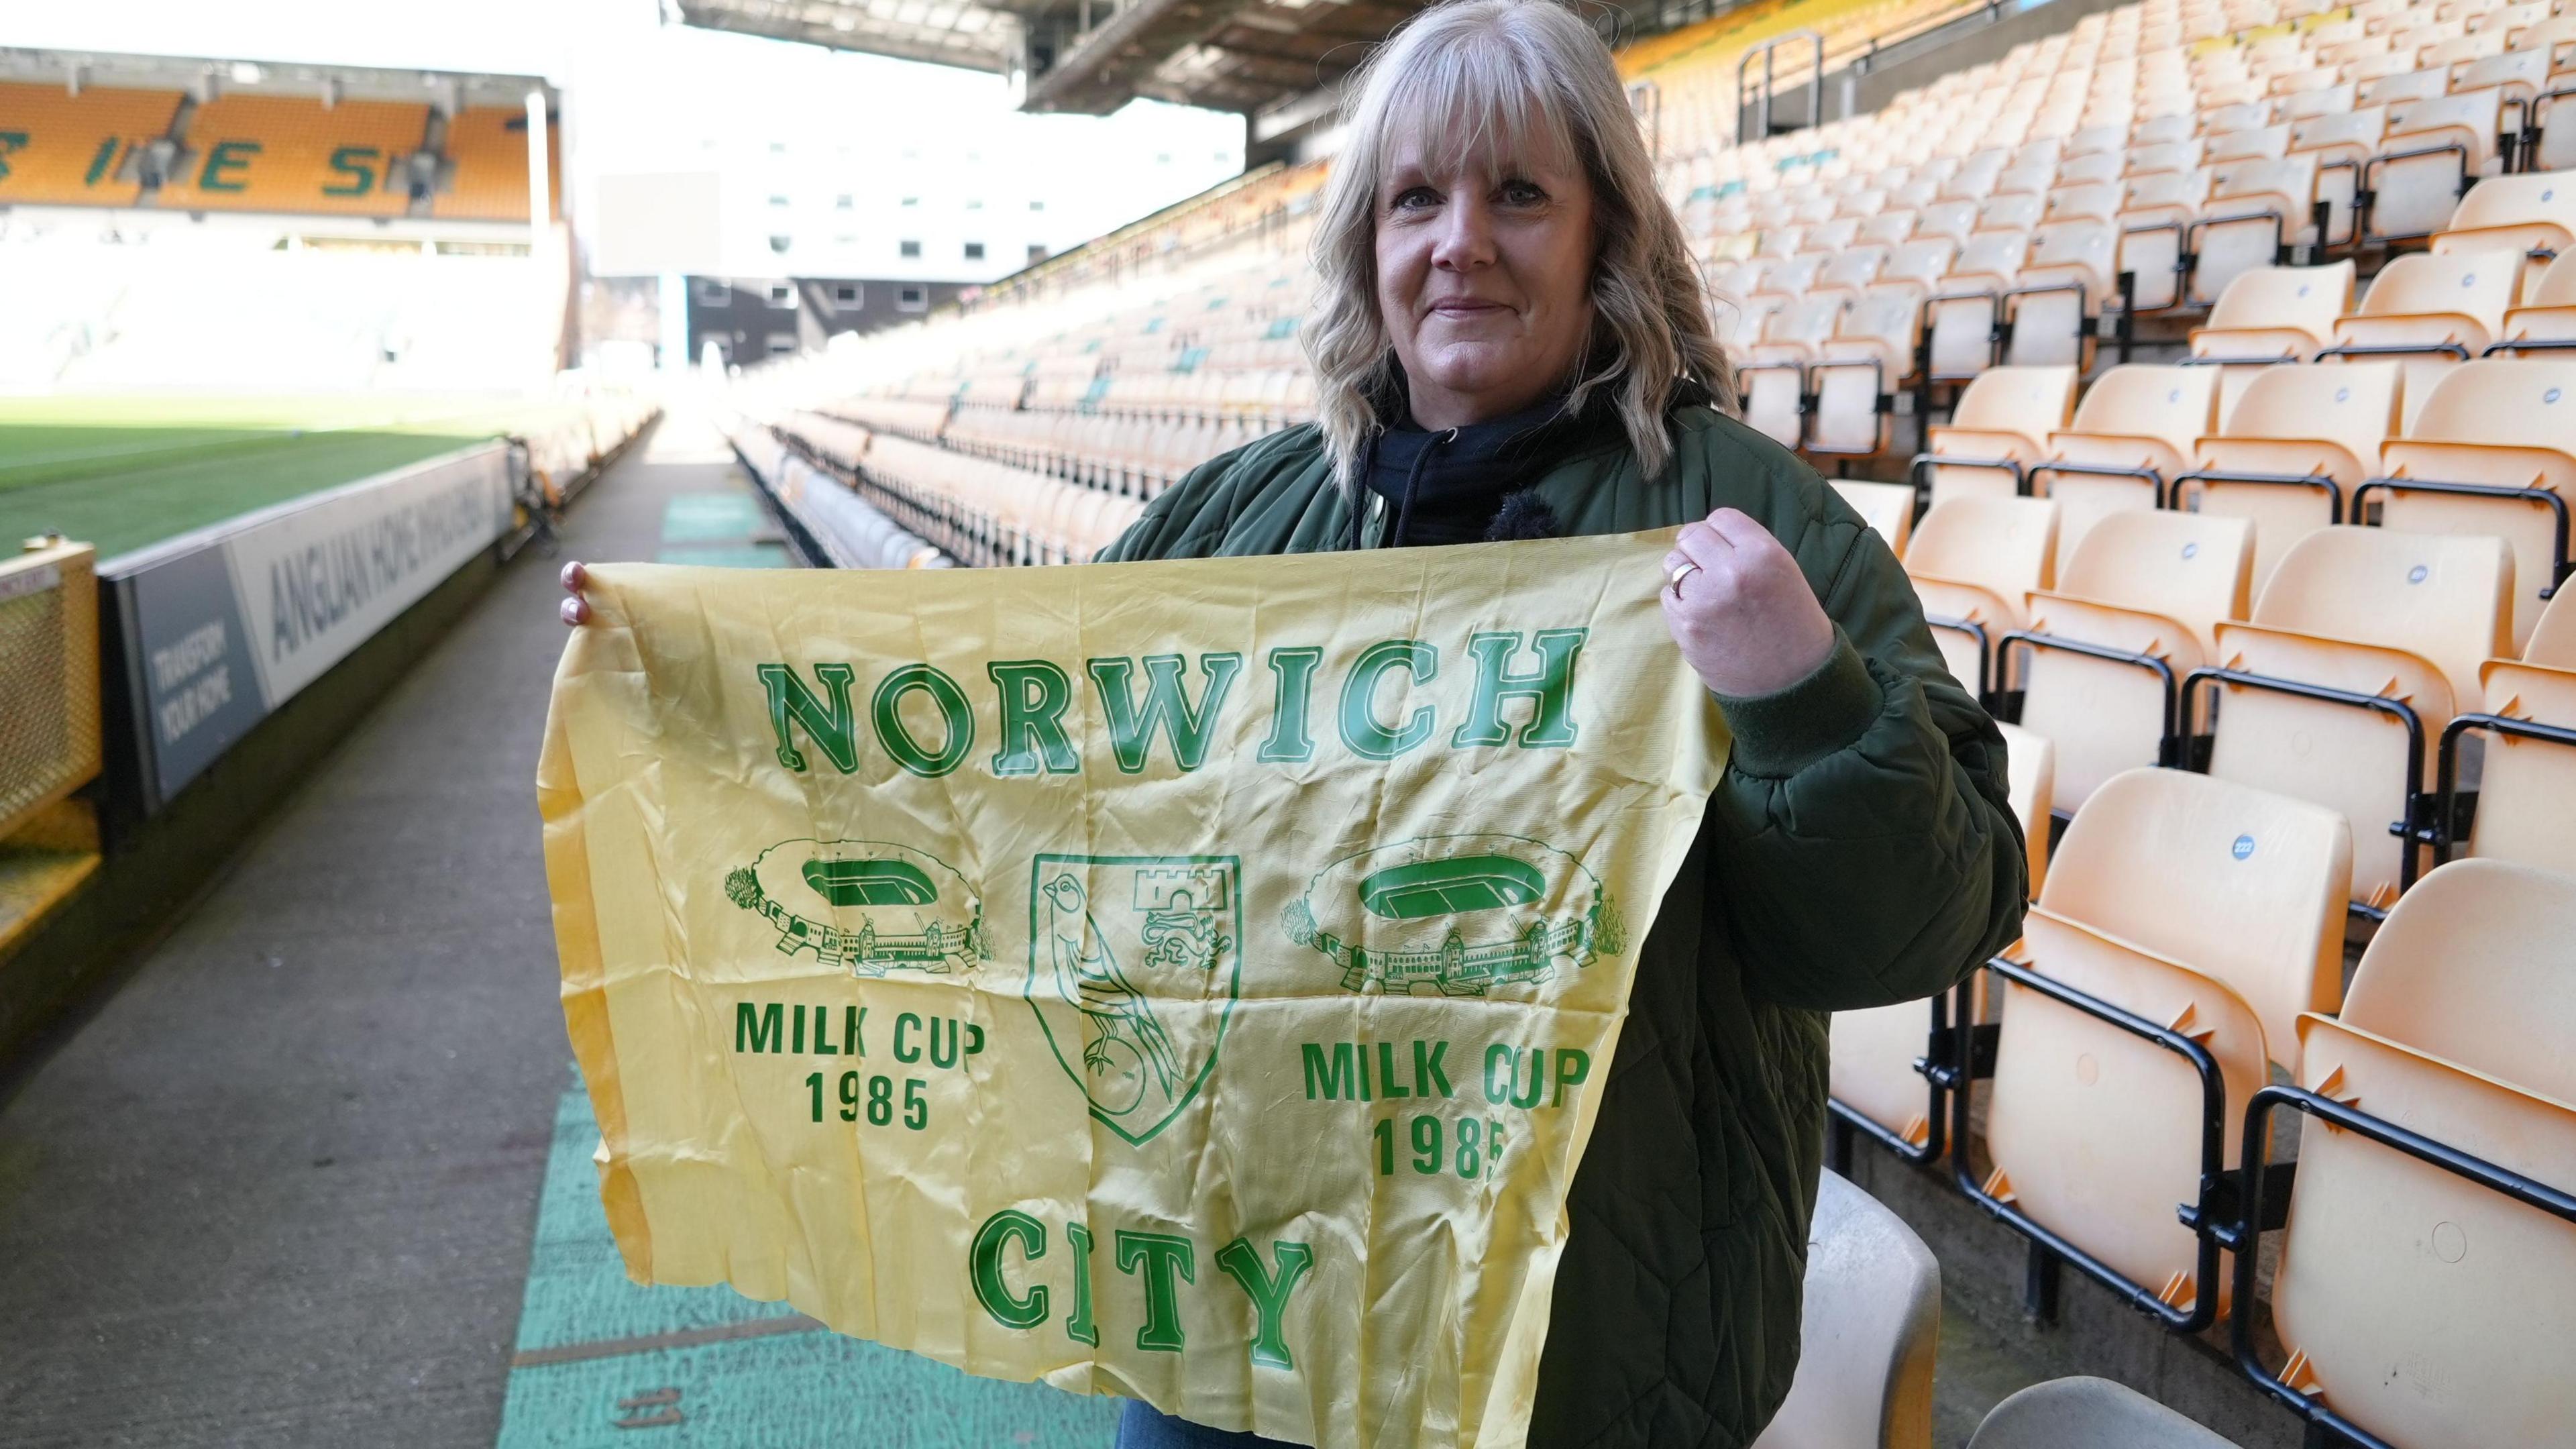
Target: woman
(1511, 340)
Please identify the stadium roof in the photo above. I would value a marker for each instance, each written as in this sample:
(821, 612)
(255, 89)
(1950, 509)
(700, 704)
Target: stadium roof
(1093, 56)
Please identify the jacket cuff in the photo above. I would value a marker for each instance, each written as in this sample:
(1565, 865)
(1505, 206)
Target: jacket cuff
(1780, 733)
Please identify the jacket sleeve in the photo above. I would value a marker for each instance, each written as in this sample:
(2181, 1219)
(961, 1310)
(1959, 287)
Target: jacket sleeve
(1864, 839)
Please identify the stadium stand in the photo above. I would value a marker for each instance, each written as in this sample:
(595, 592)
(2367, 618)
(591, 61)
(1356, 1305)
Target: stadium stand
(291, 153)
(2089, 1413)
(57, 148)
(1871, 1326)
(485, 173)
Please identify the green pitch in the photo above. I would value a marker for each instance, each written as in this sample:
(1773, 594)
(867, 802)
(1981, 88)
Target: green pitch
(123, 471)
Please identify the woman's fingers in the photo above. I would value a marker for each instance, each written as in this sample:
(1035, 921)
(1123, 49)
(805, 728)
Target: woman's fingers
(575, 610)
(575, 577)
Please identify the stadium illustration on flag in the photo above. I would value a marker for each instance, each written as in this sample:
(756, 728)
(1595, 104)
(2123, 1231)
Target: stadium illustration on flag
(864, 904)
(1463, 914)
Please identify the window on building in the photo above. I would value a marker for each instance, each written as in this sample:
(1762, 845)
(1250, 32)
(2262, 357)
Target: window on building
(909, 249)
(974, 251)
(778, 201)
(1037, 206)
(1037, 251)
(782, 294)
(910, 201)
(713, 292)
(844, 202)
(912, 299)
(781, 343)
(974, 205)
(777, 148)
(847, 294)
(780, 244)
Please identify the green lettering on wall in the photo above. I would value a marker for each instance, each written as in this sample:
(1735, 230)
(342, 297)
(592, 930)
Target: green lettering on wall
(1362, 734)
(956, 717)
(1168, 1262)
(12, 142)
(1290, 741)
(1549, 687)
(1034, 695)
(827, 721)
(758, 1028)
(985, 1264)
(102, 162)
(224, 156)
(1078, 1325)
(1167, 705)
(357, 162)
(1268, 1292)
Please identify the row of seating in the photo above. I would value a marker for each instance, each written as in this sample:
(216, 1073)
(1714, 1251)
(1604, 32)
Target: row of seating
(1135, 454)
(249, 151)
(979, 512)
(2185, 952)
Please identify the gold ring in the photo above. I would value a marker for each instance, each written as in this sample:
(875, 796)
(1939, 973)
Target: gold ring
(1680, 572)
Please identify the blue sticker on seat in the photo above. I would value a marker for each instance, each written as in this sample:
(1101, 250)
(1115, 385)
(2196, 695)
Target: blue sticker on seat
(2243, 847)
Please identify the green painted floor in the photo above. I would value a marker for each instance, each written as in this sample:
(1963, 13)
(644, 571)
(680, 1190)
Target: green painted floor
(720, 530)
(602, 1361)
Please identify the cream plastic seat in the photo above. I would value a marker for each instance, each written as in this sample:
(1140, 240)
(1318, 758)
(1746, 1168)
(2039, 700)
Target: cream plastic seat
(2419, 1305)
(2134, 429)
(1869, 357)
(1872, 1051)
(2052, 306)
(2095, 1133)
(2270, 314)
(2432, 312)
(2534, 215)
(2503, 425)
(2258, 209)
(1961, 315)
(2407, 618)
(2413, 194)
(2293, 425)
(1871, 1323)
(2343, 142)
(2527, 797)
(2553, 639)
(2087, 1413)
(1888, 508)
(2153, 584)
(1974, 562)
(2547, 316)
(1999, 428)
(2155, 219)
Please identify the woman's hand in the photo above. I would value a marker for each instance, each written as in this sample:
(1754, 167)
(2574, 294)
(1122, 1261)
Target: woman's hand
(576, 610)
(1744, 617)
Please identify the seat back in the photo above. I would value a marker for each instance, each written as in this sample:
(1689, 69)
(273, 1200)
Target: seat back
(2528, 213)
(2239, 883)
(2502, 423)
(1888, 508)
(2527, 796)
(1975, 560)
(2553, 639)
(2086, 1413)
(2444, 599)
(2030, 776)
(2296, 422)
(2302, 301)
(2027, 402)
(2194, 568)
(2472, 967)
(2427, 1309)
(1871, 1322)
(2171, 406)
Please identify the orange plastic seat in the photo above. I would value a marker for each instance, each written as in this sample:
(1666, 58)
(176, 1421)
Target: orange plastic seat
(2395, 626)
(2535, 215)
(2296, 446)
(2491, 451)
(2134, 429)
(2553, 639)
(2526, 797)
(2270, 314)
(2546, 320)
(1888, 508)
(2416, 1304)
(2136, 610)
(2210, 909)
(1974, 562)
(2432, 312)
(2000, 426)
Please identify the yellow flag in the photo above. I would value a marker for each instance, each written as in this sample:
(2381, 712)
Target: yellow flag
(1193, 981)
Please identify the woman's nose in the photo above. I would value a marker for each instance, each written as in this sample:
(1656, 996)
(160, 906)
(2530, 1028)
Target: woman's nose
(1466, 236)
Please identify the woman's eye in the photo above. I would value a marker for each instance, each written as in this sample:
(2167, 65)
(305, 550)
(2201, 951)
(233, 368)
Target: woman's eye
(1415, 196)
(1522, 193)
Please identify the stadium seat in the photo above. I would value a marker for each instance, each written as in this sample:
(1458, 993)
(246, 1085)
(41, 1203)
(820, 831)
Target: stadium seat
(2534, 215)
(1888, 508)
(2088, 1413)
(1974, 561)
(1962, 317)
(2431, 152)
(2270, 315)
(2414, 1303)
(2546, 320)
(2258, 209)
(2292, 452)
(2051, 309)
(2343, 142)
(2134, 429)
(1859, 369)
(2526, 796)
(77, 150)
(2096, 1133)
(2431, 312)
(487, 148)
(2491, 451)
(2135, 611)
(2363, 639)
(291, 153)
(1869, 1330)
(2000, 426)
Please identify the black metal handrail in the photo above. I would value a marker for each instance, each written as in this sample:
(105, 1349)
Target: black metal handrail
(2333, 490)
(2446, 791)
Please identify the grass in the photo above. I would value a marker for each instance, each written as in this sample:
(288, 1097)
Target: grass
(124, 471)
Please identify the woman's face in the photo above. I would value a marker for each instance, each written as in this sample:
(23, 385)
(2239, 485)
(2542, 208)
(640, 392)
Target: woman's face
(1484, 274)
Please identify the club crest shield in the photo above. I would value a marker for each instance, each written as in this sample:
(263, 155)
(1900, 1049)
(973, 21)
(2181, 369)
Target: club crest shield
(1146, 950)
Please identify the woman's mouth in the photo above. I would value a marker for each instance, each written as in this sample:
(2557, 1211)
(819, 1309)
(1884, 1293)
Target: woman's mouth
(1464, 307)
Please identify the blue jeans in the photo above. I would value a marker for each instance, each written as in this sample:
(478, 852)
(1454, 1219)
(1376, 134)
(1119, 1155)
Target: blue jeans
(1142, 1426)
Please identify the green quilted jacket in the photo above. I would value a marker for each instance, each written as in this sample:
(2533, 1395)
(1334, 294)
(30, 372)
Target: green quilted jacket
(1861, 851)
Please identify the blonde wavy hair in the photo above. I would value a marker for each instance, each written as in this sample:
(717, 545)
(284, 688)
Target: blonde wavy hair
(1495, 79)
